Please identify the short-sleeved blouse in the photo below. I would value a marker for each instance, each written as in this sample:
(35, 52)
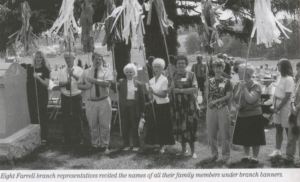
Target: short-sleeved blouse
(158, 86)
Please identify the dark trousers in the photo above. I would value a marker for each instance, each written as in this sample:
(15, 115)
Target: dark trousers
(72, 120)
(33, 112)
(130, 124)
(201, 81)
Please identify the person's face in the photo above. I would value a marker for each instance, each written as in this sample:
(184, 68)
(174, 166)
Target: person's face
(97, 61)
(279, 66)
(218, 70)
(181, 65)
(69, 61)
(38, 58)
(129, 74)
(241, 74)
(298, 70)
(199, 60)
(157, 69)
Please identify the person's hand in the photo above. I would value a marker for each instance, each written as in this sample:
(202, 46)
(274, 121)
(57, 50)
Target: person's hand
(151, 91)
(150, 97)
(294, 112)
(88, 85)
(70, 71)
(243, 84)
(212, 103)
(35, 75)
(176, 90)
(238, 107)
(115, 73)
(276, 111)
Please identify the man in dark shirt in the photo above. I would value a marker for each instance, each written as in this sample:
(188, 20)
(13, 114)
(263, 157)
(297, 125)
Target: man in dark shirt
(199, 70)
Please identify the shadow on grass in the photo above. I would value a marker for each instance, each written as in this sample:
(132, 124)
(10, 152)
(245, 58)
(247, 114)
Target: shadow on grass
(280, 162)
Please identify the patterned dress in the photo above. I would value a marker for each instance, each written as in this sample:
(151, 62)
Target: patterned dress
(184, 107)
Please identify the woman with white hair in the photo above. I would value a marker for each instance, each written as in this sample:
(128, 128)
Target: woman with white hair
(249, 127)
(160, 131)
(132, 106)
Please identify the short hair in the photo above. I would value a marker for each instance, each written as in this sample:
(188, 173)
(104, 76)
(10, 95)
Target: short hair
(181, 57)
(298, 65)
(218, 63)
(151, 59)
(159, 61)
(199, 56)
(286, 67)
(130, 66)
(67, 54)
(249, 69)
(96, 54)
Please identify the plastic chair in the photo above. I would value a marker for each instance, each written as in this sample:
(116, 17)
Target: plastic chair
(114, 104)
(54, 102)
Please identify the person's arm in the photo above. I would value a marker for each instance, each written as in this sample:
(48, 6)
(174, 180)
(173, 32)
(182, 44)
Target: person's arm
(223, 99)
(251, 96)
(164, 90)
(101, 83)
(186, 90)
(286, 98)
(82, 84)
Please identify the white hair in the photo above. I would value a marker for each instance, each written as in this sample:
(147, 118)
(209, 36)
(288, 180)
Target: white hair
(249, 69)
(131, 67)
(159, 61)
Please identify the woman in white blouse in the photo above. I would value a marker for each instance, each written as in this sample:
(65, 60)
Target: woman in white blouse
(162, 132)
(282, 102)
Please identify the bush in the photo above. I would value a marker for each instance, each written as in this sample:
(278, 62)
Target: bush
(193, 43)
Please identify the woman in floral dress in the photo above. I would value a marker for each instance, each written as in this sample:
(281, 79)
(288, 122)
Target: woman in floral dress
(184, 108)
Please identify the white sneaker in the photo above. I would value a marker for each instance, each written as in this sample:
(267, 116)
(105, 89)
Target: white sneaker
(136, 149)
(126, 148)
(275, 153)
(194, 156)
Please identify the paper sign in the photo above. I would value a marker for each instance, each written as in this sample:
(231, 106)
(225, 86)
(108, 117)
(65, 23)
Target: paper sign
(221, 85)
(183, 79)
(39, 74)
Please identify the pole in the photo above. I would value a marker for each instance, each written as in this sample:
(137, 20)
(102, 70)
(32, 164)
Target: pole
(241, 90)
(148, 80)
(37, 101)
(207, 94)
(114, 66)
(70, 78)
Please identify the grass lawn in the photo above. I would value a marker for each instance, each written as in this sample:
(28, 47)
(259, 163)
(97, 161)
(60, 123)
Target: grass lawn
(56, 155)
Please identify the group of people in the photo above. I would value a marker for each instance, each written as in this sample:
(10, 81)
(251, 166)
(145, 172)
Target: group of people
(171, 111)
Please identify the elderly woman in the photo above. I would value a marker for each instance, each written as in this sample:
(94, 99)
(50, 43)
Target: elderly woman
(249, 128)
(132, 105)
(184, 108)
(38, 76)
(163, 127)
(282, 102)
